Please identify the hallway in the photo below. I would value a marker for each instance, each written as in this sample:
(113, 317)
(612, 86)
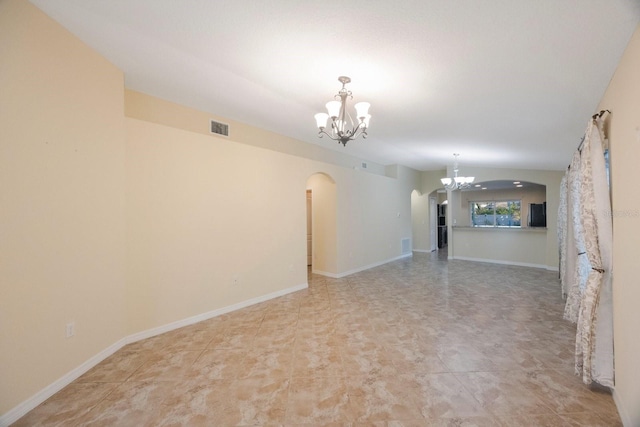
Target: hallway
(420, 341)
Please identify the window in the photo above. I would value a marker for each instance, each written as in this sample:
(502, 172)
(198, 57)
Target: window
(495, 214)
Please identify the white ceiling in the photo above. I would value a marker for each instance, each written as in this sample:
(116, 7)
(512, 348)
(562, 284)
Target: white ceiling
(505, 83)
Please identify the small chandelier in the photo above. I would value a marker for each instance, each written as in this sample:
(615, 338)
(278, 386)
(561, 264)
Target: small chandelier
(343, 128)
(457, 182)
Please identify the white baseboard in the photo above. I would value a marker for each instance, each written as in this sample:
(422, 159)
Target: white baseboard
(19, 411)
(359, 269)
(208, 315)
(622, 410)
(496, 261)
(324, 273)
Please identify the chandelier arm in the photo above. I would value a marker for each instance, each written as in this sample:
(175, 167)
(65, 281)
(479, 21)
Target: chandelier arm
(341, 137)
(322, 131)
(359, 130)
(336, 129)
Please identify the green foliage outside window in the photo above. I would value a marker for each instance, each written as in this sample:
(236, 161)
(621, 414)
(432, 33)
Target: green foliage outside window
(496, 214)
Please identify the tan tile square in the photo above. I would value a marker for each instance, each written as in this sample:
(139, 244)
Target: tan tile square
(250, 401)
(267, 363)
(443, 396)
(529, 420)
(166, 367)
(367, 359)
(384, 398)
(218, 364)
(416, 358)
(463, 356)
(503, 393)
(67, 406)
(274, 337)
(589, 419)
(130, 404)
(323, 361)
(318, 401)
(117, 367)
(189, 338)
(565, 393)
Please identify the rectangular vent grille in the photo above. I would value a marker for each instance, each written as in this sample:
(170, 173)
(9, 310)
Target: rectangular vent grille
(406, 246)
(219, 128)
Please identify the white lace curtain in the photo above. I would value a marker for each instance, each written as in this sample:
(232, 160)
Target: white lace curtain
(585, 242)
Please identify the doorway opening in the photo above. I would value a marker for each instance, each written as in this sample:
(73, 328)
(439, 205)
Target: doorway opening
(321, 199)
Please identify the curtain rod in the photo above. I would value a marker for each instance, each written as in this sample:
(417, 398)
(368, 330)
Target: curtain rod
(600, 114)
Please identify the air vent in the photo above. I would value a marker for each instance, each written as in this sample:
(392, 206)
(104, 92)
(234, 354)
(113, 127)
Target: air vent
(219, 128)
(406, 246)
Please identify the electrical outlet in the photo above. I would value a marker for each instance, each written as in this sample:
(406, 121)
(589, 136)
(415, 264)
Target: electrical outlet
(71, 329)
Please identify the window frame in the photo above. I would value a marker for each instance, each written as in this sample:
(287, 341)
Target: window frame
(494, 203)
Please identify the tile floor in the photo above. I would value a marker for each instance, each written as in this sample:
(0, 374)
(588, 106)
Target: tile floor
(418, 342)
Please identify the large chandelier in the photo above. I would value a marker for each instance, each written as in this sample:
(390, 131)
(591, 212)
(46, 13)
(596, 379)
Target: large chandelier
(343, 128)
(457, 182)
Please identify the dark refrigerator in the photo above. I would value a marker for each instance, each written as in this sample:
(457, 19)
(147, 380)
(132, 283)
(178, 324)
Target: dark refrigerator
(538, 214)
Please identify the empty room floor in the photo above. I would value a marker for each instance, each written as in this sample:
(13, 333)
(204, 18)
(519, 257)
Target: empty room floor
(417, 342)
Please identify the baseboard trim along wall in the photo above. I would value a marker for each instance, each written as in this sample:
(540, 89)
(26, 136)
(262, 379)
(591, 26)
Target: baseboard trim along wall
(622, 411)
(497, 261)
(19, 411)
(208, 315)
(357, 270)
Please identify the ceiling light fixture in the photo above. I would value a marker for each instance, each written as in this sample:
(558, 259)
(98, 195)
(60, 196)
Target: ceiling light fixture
(343, 128)
(457, 182)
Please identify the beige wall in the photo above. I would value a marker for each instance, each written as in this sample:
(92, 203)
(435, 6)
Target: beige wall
(430, 181)
(622, 98)
(210, 223)
(502, 246)
(372, 211)
(62, 244)
(374, 215)
(143, 107)
(551, 179)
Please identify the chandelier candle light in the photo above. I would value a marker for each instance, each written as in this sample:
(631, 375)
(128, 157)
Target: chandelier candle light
(457, 182)
(343, 128)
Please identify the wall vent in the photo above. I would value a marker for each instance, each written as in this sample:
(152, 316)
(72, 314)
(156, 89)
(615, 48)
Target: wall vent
(219, 128)
(406, 246)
